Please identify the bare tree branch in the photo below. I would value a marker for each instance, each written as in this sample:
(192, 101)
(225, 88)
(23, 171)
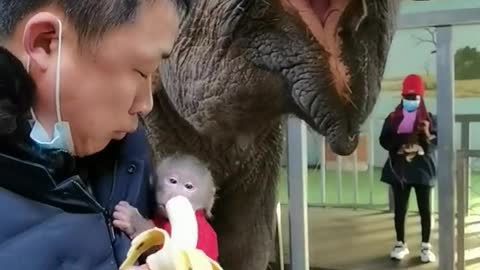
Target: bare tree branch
(432, 39)
(432, 34)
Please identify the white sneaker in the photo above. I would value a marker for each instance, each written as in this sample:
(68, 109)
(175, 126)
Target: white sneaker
(399, 251)
(426, 254)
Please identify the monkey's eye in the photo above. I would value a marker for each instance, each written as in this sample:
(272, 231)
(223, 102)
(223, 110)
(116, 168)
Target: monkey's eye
(172, 180)
(189, 186)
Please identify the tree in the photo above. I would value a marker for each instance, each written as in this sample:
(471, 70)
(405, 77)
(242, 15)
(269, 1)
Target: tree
(467, 63)
(431, 39)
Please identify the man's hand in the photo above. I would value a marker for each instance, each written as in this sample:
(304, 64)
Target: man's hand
(128, 219)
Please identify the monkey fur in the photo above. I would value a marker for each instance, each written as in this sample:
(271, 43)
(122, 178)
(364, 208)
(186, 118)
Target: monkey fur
(175, 175)
(414, 147)
(187, 176)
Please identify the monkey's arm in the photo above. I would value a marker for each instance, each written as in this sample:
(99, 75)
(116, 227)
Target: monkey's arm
(128, 219)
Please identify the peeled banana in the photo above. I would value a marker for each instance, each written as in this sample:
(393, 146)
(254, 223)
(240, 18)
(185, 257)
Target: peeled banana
(179, 251)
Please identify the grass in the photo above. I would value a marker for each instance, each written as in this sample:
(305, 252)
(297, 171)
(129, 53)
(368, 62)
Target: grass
(463, 88)
(380, 195)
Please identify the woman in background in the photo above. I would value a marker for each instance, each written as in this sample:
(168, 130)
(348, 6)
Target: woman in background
(409, 136)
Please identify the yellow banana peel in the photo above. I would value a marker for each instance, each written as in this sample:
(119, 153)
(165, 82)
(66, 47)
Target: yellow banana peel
(179, 251)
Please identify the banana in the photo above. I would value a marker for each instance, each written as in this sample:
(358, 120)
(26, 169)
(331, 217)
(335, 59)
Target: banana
(142, 243)
(179, 251)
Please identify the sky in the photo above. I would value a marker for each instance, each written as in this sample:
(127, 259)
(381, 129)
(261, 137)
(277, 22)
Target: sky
(406, 56)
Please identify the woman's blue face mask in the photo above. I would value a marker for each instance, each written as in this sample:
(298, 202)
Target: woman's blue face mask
(410, 105)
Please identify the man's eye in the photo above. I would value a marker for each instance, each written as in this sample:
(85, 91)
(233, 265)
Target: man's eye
(141, 74)
(165, 55)
(173, 180)
(189, 186)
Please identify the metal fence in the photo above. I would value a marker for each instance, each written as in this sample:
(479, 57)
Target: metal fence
(368, 179)
(340, 172)
(297, 171)
(462, 201)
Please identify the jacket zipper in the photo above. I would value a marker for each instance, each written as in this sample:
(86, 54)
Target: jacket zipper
(109, 203)
(112, 189)
(104, 211)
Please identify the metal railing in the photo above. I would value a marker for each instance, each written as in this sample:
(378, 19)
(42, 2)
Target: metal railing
(464, 121)
(462, 198)
(340, 172)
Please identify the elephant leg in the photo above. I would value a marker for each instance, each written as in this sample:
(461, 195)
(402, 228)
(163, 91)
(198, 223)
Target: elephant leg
(245, 225)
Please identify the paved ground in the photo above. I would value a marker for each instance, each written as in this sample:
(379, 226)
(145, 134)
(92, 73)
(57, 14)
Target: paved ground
(362, 239)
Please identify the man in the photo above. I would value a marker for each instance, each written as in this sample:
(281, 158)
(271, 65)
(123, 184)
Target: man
(91, 63)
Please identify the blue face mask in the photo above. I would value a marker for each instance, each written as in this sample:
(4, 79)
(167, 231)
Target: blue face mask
(410, 105)
(61, 138)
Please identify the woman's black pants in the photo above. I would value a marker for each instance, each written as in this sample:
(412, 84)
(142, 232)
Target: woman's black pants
(401, 194)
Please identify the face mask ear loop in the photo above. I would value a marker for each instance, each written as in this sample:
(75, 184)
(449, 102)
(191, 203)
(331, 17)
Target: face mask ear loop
(28, 71)
(57, 75)
(57, 71)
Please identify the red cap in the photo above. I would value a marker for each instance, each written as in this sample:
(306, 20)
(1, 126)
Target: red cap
(413, 85)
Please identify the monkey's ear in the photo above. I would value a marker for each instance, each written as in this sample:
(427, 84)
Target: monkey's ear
(208, 213)
(208, 210)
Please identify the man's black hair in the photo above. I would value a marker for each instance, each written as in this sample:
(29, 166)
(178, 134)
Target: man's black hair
(91, 18)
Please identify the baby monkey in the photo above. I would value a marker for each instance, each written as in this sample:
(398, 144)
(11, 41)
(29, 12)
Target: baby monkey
(183, 175)
(413, 146)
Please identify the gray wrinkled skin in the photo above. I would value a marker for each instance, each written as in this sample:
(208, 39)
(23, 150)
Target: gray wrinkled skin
(240, 66)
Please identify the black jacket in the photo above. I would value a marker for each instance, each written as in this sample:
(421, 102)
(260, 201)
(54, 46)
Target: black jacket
(422, 169)
(55, 210)
(55, 220)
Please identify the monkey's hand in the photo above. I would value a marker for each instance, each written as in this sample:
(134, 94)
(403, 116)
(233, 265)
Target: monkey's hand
(128, 219)
(177, 252)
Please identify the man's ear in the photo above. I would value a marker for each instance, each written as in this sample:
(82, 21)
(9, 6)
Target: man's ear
(41, 38)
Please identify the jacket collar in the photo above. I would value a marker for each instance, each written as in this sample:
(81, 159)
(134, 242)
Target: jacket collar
(56, 186)
(26, 168)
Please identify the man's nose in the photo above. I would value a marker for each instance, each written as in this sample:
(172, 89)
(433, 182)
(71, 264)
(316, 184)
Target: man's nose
(144, 100)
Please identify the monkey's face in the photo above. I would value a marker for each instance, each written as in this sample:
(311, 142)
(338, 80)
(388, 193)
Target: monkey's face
(180, 183)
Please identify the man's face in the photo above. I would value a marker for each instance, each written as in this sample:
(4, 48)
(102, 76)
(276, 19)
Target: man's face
(103, 91)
